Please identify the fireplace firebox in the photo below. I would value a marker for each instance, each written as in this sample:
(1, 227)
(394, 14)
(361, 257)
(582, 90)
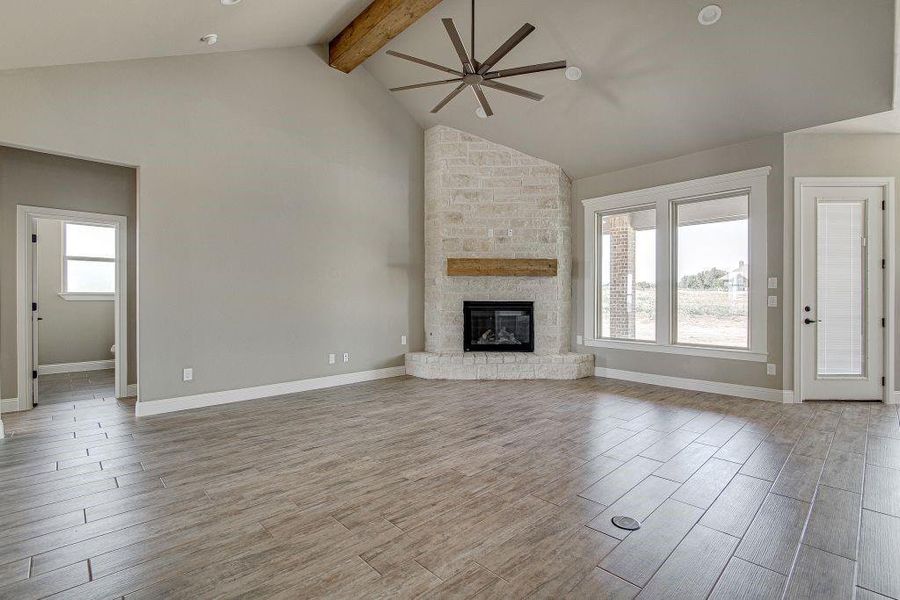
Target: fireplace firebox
(498, 326)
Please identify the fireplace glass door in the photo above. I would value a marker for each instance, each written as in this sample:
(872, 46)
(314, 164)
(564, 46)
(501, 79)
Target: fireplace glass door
(498, 326)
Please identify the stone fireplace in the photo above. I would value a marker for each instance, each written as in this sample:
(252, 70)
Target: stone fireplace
(483, 200)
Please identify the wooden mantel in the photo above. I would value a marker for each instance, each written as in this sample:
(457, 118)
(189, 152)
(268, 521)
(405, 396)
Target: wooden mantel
(375, 26)
(502, 267)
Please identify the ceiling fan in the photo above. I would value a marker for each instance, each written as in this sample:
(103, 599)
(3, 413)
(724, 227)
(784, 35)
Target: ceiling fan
(477, 74)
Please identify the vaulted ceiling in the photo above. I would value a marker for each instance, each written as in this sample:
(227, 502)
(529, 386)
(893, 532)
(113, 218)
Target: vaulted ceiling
(58, 32)
(656, 83)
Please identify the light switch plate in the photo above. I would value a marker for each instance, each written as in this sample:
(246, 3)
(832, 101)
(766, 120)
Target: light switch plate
(402, 340)
(770, 369)
(579, 339)
(188, 374)
(346, 357)
(773, 301)
(773, 283)
(331, 359)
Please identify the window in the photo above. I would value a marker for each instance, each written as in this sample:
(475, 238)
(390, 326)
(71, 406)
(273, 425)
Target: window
(680, 268)
(89, 261)
(713, 287)
(628, 275)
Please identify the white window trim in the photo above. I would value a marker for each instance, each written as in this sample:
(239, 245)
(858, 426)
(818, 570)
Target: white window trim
(65, 294)
(754, 181)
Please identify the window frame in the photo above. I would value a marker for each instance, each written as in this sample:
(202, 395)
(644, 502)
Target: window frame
(753, 182)
(64, 293)
(598, 334)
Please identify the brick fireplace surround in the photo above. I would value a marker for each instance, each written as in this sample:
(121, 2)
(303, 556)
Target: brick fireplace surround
(483, 200)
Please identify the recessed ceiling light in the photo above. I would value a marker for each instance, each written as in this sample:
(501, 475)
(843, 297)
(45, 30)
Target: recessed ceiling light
(573, 73)
(479, 112)
(210, 39)
(709, 15)
(230, 2)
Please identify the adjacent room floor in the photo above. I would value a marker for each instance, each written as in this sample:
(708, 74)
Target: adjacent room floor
(84, 385)
(404, 487)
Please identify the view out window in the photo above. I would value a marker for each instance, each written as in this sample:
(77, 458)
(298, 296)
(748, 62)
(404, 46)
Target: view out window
(89, 259)
(712, 266)
(680, 268)
(628, 275)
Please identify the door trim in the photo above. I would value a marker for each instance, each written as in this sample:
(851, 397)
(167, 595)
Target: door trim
(25, 216)
(888, 185)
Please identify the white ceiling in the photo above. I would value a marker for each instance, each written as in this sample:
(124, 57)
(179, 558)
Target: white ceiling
(656, 83)
(57, 32)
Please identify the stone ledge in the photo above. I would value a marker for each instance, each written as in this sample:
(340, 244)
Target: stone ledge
(499, 365)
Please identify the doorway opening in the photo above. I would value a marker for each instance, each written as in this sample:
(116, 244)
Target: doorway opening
(844, 289)
(72, 324)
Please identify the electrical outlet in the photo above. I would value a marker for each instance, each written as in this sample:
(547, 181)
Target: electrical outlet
(773, 301)
(773, 283)
(770, 369)
(579, 339)
(331, 359)
(188, 374)
(402, 340)
(346, 357)
(509, 233)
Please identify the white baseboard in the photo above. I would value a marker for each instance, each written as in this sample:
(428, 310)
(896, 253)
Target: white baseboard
(9, 405)
(90, 365)
(155, 407)
(699, 385)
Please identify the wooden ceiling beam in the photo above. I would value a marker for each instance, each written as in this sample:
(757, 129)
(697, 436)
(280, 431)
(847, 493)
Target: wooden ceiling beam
(378, 24)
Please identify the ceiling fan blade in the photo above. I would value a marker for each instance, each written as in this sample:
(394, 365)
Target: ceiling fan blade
(422, 85)
(458, 45)
(510, 89)
(548, 66)
(482, 100)
(426, 63)
(504, 49)
(449, 97)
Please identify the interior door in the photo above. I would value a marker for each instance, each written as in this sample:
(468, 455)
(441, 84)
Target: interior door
(842, 300)
(35, 313)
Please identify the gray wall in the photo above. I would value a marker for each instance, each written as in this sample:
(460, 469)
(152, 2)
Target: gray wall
(755, 153)
(280, 208)
(837, 155)
(38, 179)
(70, 331)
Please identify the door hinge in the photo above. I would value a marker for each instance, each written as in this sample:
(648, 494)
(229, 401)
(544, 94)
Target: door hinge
(34, 374)
(882, 205)
(34, 238)
(882, 321)
(882, 382)
(883, 263)
(33, 306)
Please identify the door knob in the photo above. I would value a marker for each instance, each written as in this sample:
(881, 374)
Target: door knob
(810, 321)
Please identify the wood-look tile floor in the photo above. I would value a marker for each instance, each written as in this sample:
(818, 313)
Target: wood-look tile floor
(409, 488)
(59, 388)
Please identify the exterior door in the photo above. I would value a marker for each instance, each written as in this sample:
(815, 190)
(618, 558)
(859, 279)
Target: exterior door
(841, 304)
